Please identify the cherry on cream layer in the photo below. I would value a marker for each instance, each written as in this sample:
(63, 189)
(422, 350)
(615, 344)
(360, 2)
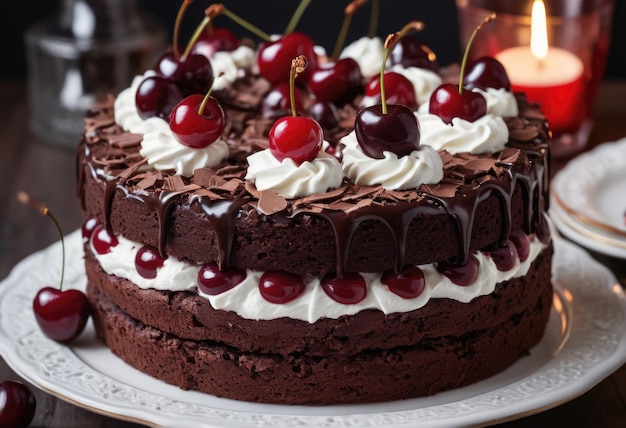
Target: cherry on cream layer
(291, 180)
(421, 166)
(159, 146)
(488, 134)
(246, 300)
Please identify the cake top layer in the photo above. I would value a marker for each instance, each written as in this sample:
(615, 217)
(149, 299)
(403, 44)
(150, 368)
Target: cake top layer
(119, 143)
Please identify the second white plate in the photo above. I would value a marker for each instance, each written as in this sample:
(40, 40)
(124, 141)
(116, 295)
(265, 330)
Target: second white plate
(592, 189)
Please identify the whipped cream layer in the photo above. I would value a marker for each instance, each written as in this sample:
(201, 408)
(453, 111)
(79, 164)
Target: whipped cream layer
(422, 166)
(291, 180)
(246, 300)
(159, 146)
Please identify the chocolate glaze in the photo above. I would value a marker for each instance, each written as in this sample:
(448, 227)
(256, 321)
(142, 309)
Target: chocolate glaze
(111, 156)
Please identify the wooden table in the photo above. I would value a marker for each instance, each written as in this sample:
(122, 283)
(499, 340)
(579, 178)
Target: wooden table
(48, 173)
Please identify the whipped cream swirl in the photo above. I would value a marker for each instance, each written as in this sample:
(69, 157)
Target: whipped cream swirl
(421, 166)
(314, 304)
(500, 102)
(159, 146)
(368, 52)
(291, 180)
(227, 65)
(488, 134)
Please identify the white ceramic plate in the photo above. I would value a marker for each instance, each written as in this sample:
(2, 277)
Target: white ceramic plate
(584, 343)
(591, 188)
(589, 237)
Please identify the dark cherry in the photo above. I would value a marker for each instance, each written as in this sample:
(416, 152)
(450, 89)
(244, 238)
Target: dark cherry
(148, 261)
(276, 103)
(274, 58)
(61, 314)
(221, 40)
(156, 96)
(504, 256)
(408, 284)
(462, 275)
(296, 137)
(347, 290)
(486, 72)
(102, 241)
(335, 150)
(192, 75)
(17, 404)
(280, 287)
(325, 114)
(396, 131)
(447, 102)
(409, 52)
(195, 127)
(336, 82)
(522, 243)
(213, 281)
(87, 228)
(542, 232)
(398, 90)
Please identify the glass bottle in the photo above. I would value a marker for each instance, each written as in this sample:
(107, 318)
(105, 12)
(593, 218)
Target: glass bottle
(86, 50)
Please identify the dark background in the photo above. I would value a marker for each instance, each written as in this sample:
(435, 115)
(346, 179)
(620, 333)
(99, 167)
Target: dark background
(322, 21)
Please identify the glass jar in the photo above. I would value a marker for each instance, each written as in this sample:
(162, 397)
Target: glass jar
(86, 50)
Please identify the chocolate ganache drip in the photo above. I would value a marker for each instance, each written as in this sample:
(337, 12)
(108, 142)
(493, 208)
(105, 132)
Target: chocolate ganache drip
(471, 184)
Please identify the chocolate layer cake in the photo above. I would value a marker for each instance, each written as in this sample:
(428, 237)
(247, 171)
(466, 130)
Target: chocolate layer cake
(154, 237)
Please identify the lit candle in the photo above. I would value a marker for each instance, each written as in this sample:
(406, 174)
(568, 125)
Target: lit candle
(548, 75)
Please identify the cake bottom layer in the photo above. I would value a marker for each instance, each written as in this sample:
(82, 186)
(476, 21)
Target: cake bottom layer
(431, 365)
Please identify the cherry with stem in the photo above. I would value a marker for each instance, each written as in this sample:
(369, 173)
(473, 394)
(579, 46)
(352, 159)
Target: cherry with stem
(449, 101)
(339, 80)
(296, 137)
(198, 121)
(61, 314)
(388, 127)
(274, 56)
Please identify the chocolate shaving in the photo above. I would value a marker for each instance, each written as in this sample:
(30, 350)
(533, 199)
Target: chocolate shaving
(270, 202)
(203, 177)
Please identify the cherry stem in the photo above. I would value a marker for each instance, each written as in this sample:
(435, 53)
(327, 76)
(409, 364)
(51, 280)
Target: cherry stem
(295, 18)
(374, 13)
(390, 42)
(220, 9)
(207, 96)
(485, 21)
(298, 65)
(347, 20)
(196, 34)
(177, 23)
(26, 199)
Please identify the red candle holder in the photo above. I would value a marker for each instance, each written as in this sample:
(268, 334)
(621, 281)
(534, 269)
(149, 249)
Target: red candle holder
(566, 85)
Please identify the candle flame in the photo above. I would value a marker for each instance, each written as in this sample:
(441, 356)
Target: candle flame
(538, 30)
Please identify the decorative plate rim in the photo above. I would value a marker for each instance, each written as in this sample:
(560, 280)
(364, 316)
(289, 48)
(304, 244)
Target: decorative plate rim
(577, 181)
(595, 347)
